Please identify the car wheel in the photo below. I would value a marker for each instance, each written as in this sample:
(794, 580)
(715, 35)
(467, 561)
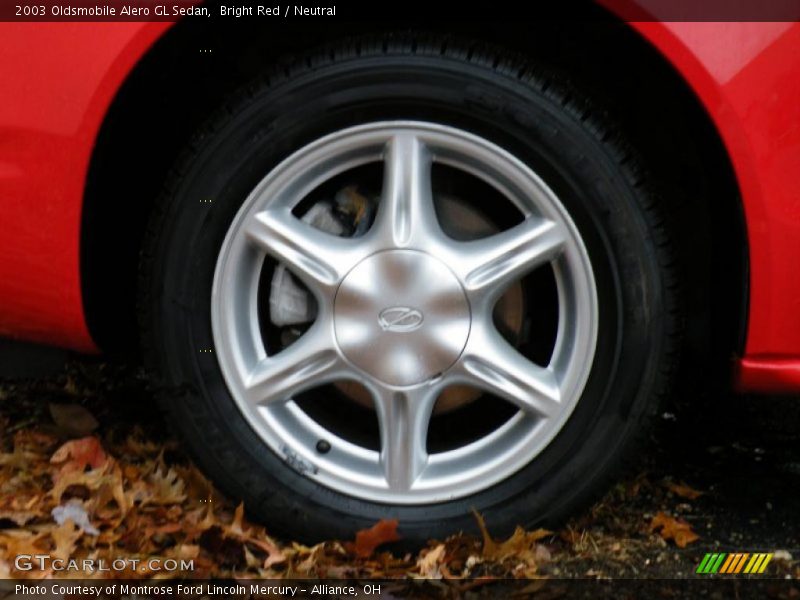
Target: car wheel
(407, 280)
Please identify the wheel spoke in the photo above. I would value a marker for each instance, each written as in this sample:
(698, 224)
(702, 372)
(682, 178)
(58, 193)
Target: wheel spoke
(308, 362)
(406, 213)
(491, 264)
(403, 417)
(316, 257)
(492, 364)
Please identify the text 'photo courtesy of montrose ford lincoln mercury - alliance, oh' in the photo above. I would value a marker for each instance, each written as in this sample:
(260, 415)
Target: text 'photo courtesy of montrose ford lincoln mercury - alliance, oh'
(408, 270)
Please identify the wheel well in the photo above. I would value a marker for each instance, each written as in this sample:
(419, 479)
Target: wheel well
(176, 86)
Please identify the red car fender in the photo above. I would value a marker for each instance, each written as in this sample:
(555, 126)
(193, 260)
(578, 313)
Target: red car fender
(747, 75)
(58, 82)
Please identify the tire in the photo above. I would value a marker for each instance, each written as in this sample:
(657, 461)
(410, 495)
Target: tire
(475, 97)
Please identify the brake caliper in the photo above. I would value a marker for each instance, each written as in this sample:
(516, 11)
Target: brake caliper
(349, 215)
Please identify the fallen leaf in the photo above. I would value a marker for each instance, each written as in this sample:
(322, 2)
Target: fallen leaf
(430, 564)
(250, 559)
(70, 387)
(79, 454)
(110, 500)
(309, 564)
(237, 530)
(227, 552)
(17, 543)
(683, 490)
(382, 532)
(519, 542)
(274, 555)
(674, 529)
(73, 419)
(20, 518)
(65, 537)
(91, 480)
(18, 459)
(184, 551)
(236, 527)
(570, 536)
(167, 487)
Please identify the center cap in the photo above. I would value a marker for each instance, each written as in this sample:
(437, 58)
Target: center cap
(401, 316)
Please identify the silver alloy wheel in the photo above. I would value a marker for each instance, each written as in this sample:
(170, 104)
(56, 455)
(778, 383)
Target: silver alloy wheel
(404, 310)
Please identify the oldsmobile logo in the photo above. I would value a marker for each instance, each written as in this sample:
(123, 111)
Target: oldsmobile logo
(400, 319)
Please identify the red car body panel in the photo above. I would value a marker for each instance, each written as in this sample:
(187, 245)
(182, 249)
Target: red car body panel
(59, 80)
(748, 77)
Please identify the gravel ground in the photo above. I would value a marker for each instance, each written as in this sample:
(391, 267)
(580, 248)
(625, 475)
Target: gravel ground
(742, 453)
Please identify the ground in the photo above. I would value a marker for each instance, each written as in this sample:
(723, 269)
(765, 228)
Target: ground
(722, 474)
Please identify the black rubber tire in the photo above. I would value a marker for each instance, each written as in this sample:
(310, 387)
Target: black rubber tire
(540, 119)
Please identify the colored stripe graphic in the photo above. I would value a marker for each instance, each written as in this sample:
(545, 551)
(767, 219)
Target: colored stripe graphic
(758, 563)
(732, 558)
(765, 563)
(730, 565)
(737, 562)
(753, 564)
(711, 563)
(740, 563)
(701, 568)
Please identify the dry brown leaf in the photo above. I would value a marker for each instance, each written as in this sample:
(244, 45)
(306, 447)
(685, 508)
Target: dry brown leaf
(430, 564)
(236, 527)
(19, 542)
(570, 536)
(197, 486)
(382, 532)
(112, 488)
(19, 458)
(250, 559)
(674, 529)
(254, 537)
(76, 455)
(520, 541)
(225, 551)
(70, 387)
(166, 528)
(185, 551)
(73, 419)
(19, 517)
(274, 553)
(135, 445)
(91, 480)
(167, 487)
(683, 490)
(310, 562)
(65, 536)
(34, 440)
